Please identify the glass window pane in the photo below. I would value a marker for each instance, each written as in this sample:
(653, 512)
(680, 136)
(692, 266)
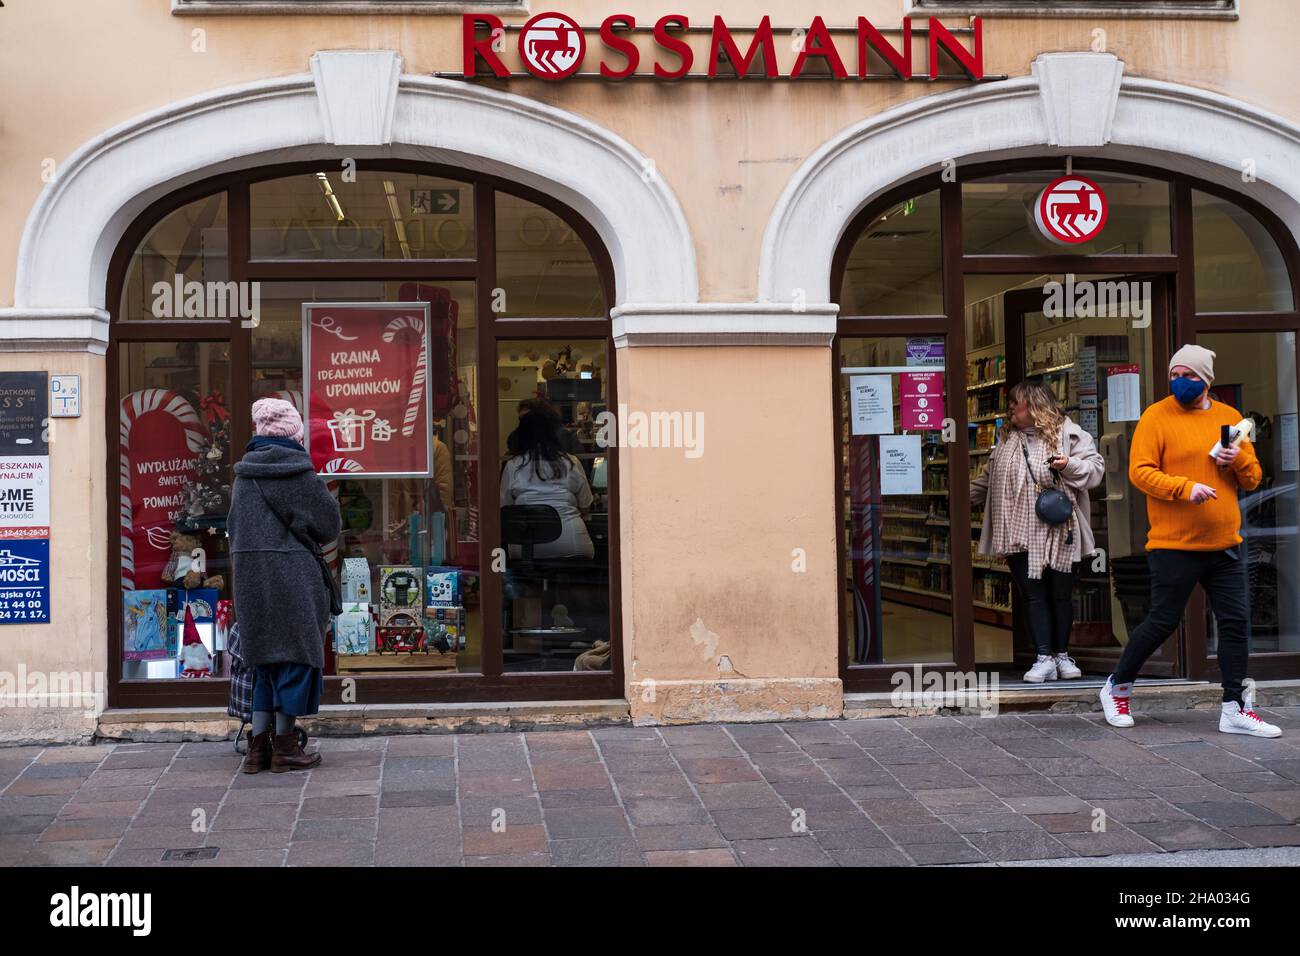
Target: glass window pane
(189, 243)
(1071, 332)
(380, 215)
(175, 492)
(986, 404)
(997, 215)
(543, 266)
(1255, 373)
(1239, 267)
(415, 523)
(554, 504)
(897, 535)
(896, 265)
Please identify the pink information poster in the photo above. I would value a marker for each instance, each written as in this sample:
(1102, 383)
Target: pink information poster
(921, 397)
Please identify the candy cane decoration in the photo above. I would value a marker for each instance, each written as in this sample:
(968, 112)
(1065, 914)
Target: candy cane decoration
(135, 406)
(333, 466)
(415, 324)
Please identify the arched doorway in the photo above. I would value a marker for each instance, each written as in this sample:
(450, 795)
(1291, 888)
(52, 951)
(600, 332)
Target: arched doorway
(949, 285)
(514, 289)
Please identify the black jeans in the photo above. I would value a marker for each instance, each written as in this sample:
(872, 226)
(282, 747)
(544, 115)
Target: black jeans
(1173, 576)
(1048, 601)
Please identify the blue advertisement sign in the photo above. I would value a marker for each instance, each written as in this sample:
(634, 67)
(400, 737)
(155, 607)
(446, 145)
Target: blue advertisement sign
(25, 581)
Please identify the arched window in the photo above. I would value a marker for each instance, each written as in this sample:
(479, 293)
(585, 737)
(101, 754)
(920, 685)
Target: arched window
(949, 293)
(477, 301)
(1239, 267)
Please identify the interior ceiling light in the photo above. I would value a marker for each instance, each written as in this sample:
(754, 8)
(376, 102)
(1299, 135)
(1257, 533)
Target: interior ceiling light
(333, 200)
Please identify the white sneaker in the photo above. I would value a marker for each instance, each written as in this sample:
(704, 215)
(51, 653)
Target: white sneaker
(1243, 720)
(1066, 668)
(1044, 669)
(1114, 702)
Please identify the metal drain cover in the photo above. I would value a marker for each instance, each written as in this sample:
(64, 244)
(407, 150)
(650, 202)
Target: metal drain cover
(198, 853)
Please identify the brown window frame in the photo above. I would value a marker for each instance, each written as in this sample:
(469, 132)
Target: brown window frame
(1178, 269)
(491, 683)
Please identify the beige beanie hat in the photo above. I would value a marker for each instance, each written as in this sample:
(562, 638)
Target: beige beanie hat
(1199, 360)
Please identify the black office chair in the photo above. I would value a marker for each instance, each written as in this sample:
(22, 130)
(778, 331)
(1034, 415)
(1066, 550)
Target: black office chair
(525, 526)
(528, 526)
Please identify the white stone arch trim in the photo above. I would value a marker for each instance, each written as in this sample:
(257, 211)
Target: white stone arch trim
(1073, 103)
(79, 218)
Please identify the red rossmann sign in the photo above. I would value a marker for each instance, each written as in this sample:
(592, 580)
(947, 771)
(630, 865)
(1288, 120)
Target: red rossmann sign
(552, 46)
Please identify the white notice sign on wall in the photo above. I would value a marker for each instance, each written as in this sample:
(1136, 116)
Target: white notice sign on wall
(1123, 396)
(871, 404)
(900, 464)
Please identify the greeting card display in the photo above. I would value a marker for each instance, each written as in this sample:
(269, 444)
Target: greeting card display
(225, 621)
(146, 634)
(202, 603)
(365, 367)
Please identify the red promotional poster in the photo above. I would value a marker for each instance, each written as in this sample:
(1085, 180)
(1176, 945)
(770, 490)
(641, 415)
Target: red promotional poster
(365, 372)
(159, 436)
(921, 397)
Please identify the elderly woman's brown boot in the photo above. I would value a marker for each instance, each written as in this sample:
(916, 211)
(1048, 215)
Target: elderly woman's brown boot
(287, 754)
(258, 757)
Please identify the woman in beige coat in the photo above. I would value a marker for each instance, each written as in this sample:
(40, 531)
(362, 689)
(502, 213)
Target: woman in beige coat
(1038, 448)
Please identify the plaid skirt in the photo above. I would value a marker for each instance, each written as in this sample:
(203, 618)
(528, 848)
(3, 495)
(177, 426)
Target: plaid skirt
(241, 680)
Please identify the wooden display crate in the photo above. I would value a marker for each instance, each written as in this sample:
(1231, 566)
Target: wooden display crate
(418, 661)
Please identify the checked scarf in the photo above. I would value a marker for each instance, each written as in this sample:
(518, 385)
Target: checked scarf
(1014, 524)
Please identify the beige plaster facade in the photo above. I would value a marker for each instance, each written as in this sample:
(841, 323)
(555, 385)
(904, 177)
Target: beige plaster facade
(729, 560)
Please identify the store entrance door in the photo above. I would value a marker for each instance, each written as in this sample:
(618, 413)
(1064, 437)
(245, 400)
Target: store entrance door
(1096, 342)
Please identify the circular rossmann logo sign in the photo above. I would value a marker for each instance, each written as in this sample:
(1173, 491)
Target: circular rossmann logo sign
(552, 46)
(1070, 210)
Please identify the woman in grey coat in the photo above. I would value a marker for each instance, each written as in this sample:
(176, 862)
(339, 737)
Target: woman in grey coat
(281, 601)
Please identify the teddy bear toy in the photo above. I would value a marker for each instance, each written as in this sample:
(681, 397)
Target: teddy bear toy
(182, 569)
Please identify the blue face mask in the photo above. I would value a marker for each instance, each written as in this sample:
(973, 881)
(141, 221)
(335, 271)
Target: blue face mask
(1186, 391)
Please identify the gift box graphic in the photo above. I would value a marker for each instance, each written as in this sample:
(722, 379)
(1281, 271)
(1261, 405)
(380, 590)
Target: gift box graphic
(348, 429)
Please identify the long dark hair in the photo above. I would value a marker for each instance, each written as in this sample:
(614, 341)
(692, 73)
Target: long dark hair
(537, 440)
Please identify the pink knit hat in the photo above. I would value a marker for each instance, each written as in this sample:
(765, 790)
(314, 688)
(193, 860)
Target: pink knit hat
(274, 417)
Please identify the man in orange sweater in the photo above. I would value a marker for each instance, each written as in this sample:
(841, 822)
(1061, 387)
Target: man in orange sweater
(1191, 483)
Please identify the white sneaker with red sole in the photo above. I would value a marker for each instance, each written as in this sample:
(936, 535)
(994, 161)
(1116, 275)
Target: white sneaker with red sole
(1237, 719)
(1114, 703)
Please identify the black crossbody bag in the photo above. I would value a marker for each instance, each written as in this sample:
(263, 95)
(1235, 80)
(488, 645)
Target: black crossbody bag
(1053, 506)
(331, 585)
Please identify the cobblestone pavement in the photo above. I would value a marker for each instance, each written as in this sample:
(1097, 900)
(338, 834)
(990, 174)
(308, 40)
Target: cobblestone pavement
(920, 791)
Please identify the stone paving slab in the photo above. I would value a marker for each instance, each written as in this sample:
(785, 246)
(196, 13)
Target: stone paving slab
(924, 791)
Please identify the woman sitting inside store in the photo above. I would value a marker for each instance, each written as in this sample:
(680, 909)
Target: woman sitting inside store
(540, 472)
(280, 513)
(1039, 448)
